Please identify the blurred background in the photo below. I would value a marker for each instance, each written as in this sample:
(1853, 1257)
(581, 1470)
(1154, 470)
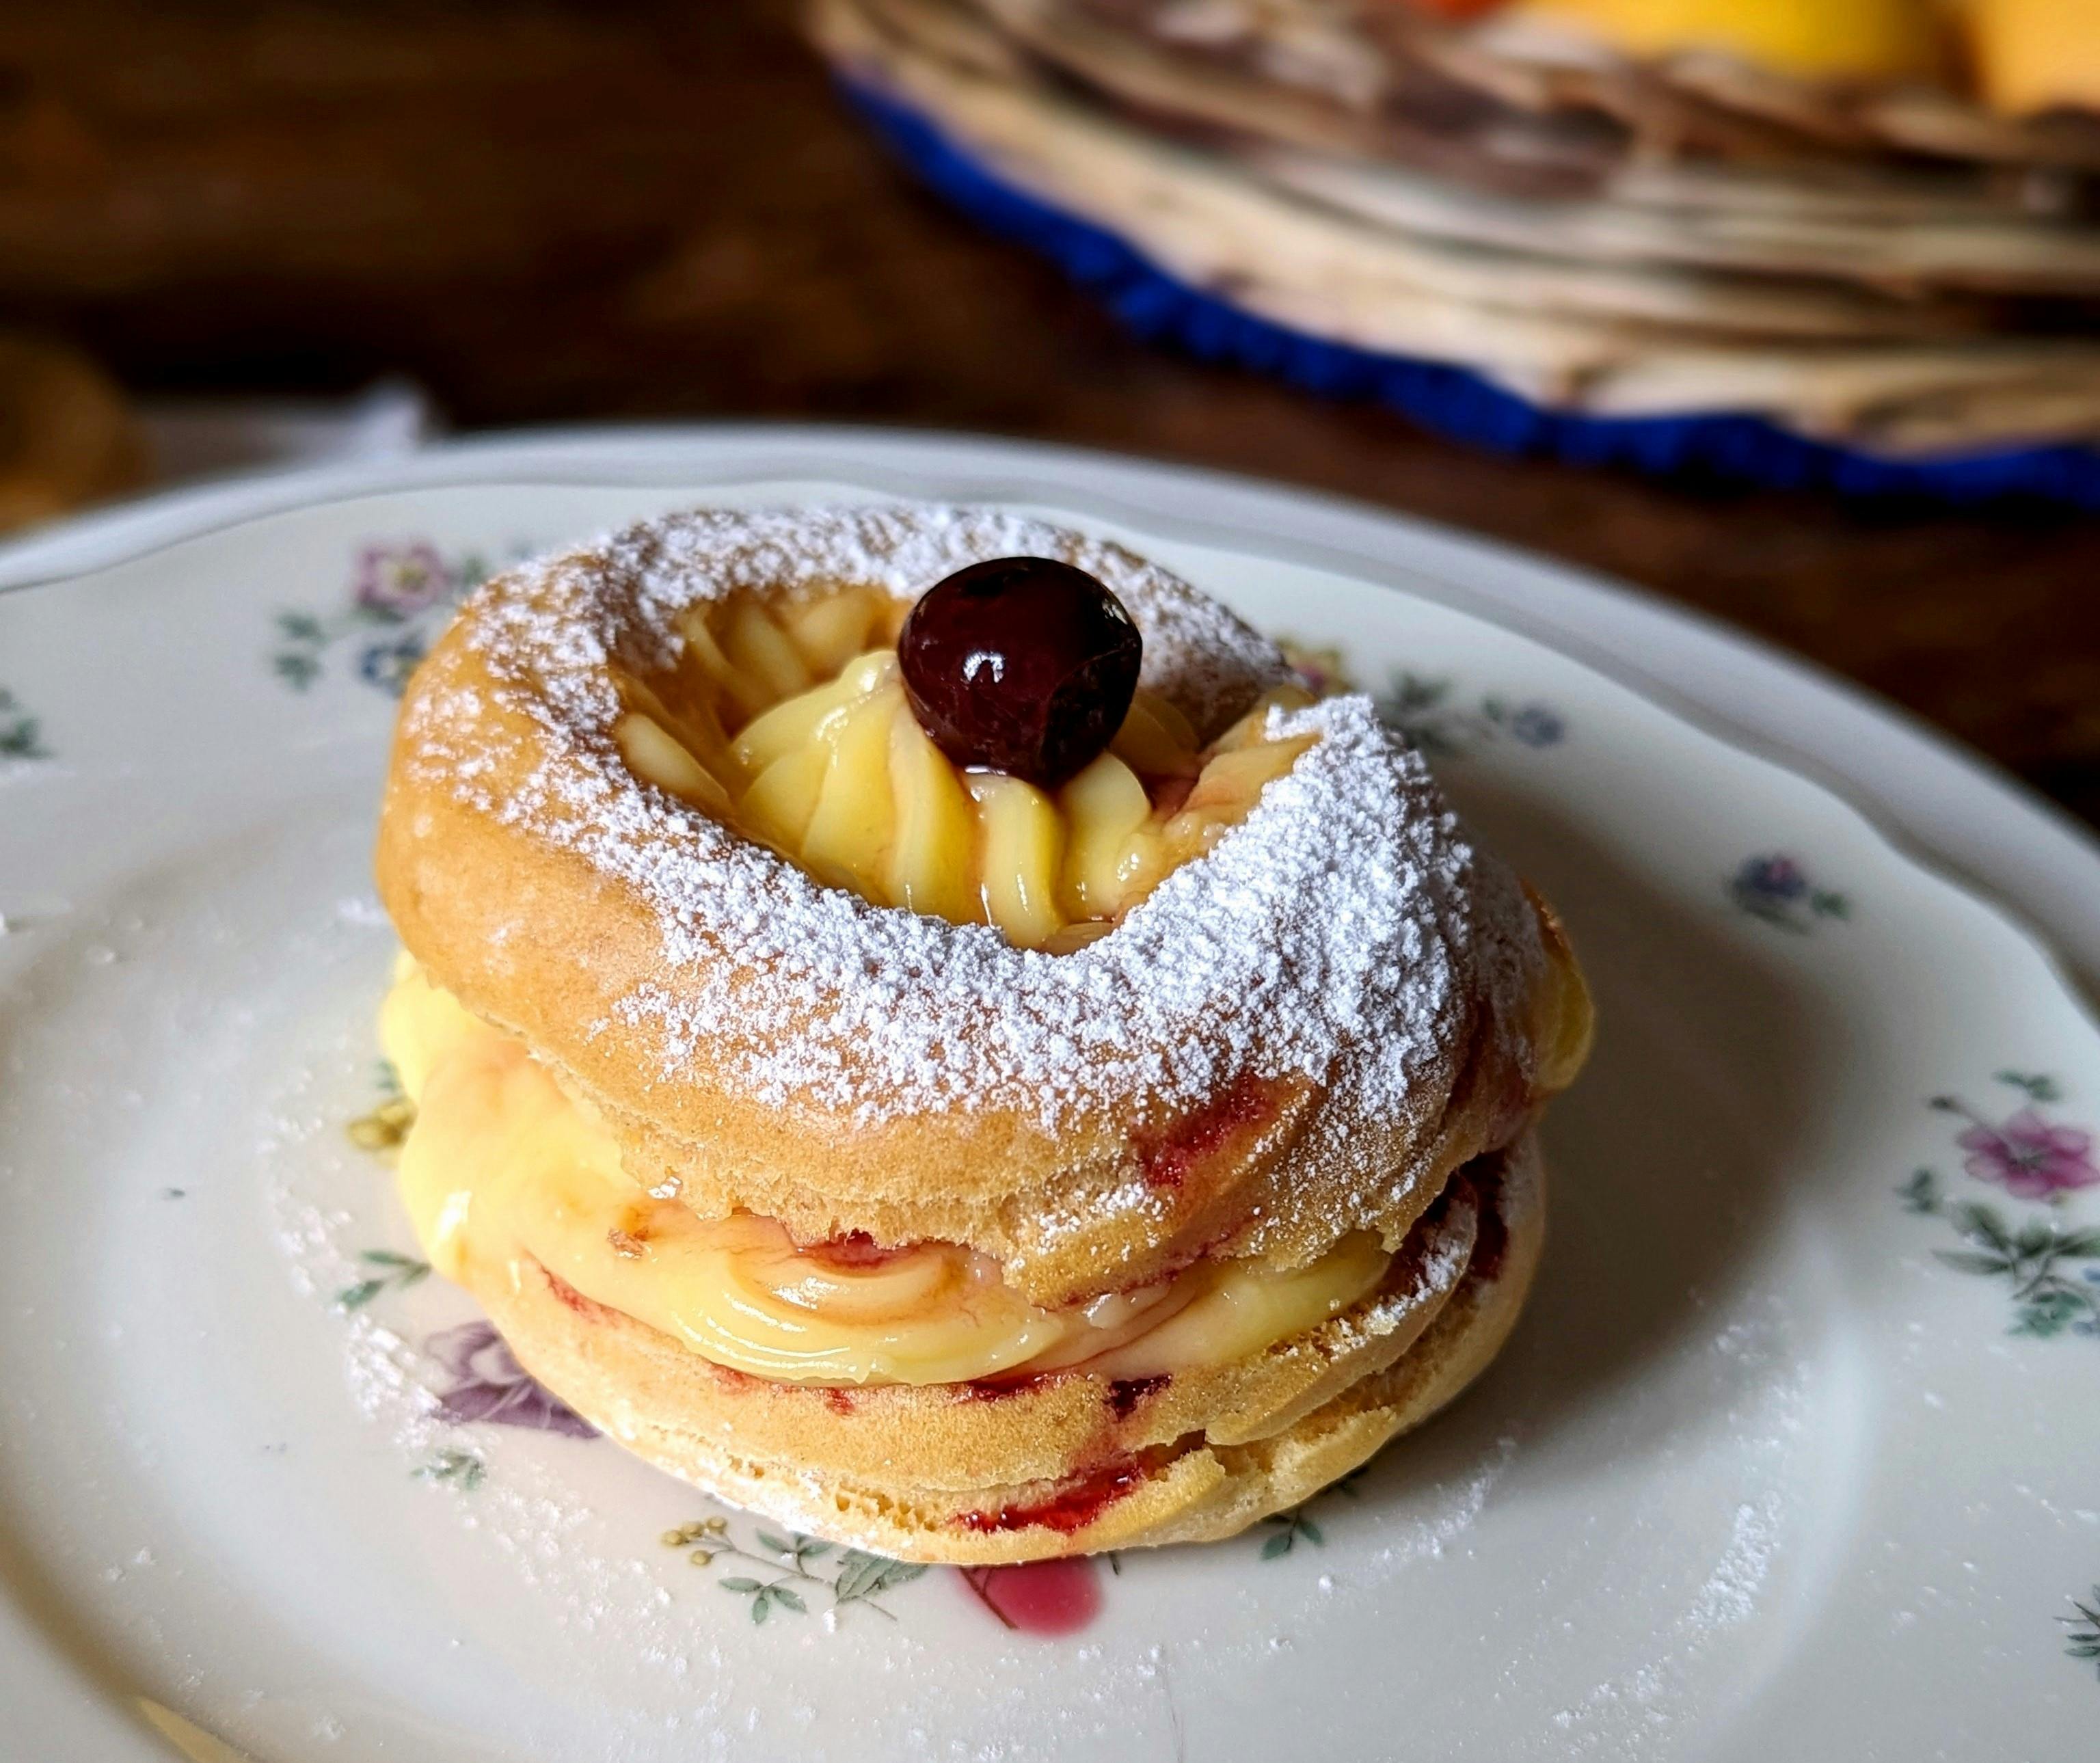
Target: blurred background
(1783, 310)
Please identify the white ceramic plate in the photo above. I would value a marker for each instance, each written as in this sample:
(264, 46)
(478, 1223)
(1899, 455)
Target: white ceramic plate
(1793, 1456)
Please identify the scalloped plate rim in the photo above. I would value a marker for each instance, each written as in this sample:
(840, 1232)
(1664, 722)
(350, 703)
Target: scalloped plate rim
(198, 515)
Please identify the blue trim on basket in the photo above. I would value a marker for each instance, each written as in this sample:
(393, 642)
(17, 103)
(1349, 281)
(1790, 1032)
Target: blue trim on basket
(1455, 401)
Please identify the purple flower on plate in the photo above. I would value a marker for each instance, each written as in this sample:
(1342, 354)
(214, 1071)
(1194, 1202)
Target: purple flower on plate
(1538, 726)
(488, 1384)
(399, 580)
(1777, 879)
(1773, 887)
(2030, 1157)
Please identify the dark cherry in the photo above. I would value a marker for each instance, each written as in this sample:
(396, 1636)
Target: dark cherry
(1020, 664)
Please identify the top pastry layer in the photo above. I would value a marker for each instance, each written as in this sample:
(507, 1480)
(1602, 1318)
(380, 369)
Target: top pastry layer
(1294, 1036)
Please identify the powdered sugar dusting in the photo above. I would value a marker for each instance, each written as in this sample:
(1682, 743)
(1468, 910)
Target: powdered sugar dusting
(1196, 652)
(1327, 936)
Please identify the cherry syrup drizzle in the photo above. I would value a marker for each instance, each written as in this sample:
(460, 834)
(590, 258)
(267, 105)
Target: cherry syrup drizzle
(1246, 1104)
(1071, 1508)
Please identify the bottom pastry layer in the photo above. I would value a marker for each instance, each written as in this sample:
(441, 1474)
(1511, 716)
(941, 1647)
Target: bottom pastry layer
(853, 1467)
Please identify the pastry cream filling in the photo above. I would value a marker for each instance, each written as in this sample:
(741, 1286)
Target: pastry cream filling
(504, 1165)
(779, 722)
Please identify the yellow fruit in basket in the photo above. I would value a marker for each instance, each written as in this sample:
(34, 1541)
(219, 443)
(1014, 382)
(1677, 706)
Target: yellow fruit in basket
(1816, 39)
(2035, 54)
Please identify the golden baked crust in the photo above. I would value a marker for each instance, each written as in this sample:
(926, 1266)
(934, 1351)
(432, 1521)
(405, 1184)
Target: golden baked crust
(1349, 1028)
(949, 1474)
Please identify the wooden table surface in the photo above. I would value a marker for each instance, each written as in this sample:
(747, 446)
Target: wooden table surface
(562, 211)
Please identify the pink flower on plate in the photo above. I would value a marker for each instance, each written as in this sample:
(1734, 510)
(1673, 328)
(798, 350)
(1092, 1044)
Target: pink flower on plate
(401, 579)
(2030, 1157)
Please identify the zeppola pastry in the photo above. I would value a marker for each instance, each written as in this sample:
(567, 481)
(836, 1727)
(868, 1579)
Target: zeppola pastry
(920, 1027)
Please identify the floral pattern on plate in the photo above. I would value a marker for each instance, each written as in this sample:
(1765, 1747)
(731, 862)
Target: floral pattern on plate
(20, 736)
(2035, 1159)
(454, 1469)
(1286, 1529)
(387, 1124)
(2083, 1642)
(2041, 1160)
(400, 595)
(386, 1269)
(1776, 889)
(1427, 711)
(790, 1566)
(488, 1385)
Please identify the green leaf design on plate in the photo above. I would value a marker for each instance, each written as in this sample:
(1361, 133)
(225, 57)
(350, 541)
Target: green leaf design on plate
(862, 1575)
(851, 1576)
(1970, 1261)
(1289, 1527)
(1423, 711)
(2084, 1640)
(1292, 1525)
(397, 1270)
(456, 1469)
(20, 735)
(1981, 1223)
